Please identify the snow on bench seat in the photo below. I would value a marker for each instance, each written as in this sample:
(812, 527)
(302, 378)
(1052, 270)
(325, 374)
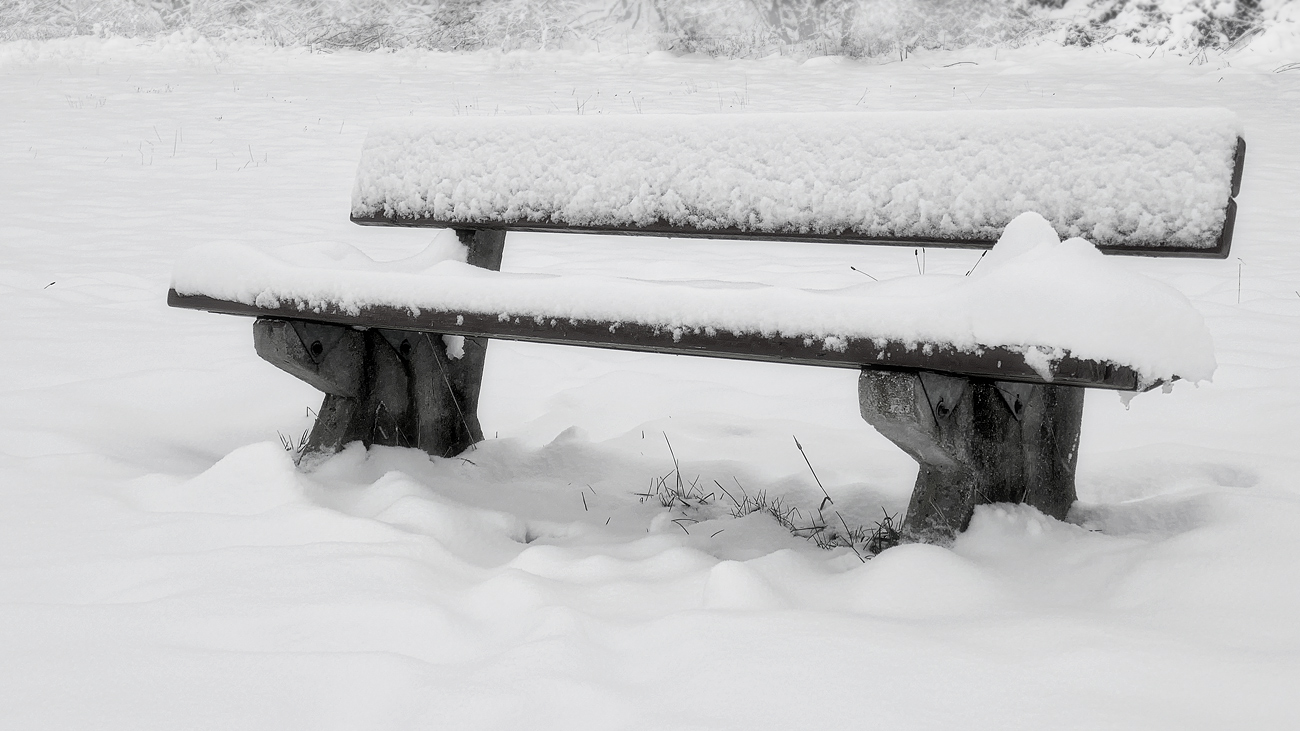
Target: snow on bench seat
(1050, 302)
(1151, 180)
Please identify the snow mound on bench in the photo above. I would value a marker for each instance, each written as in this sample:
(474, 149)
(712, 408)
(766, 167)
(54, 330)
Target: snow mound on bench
(1123, 177)
(1034, 293)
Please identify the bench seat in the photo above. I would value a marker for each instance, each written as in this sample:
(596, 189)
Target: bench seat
(989, 324)
(998, 363)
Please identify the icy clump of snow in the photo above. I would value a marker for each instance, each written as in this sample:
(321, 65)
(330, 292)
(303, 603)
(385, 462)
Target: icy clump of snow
(1025, 233)
(455, 345)
(1034, 293)
(1153, 177)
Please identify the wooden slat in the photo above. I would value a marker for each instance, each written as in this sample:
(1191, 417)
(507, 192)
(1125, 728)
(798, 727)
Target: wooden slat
(1238, 167)
(1219, 251)
(995, 363)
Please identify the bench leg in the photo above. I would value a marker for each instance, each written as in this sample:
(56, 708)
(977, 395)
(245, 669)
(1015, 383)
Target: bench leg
(976, 441)
(443, 390)
(364, 381)
(388, 387)
(445, 386)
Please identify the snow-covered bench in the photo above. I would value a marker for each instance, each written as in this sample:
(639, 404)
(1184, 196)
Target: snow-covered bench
(979, 378)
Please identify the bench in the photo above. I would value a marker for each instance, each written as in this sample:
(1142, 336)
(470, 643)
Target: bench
(990, 408)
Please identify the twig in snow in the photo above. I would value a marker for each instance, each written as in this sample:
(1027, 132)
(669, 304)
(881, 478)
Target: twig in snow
(814, 474)
(737, 502)
(849, 534)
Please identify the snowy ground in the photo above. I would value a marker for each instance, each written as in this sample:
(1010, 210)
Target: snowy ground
(162, 564)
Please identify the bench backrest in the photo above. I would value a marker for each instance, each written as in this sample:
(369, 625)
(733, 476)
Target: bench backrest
(1139, 181)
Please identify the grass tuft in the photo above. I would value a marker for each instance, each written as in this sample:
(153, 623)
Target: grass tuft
(826, 528)
(294, 449)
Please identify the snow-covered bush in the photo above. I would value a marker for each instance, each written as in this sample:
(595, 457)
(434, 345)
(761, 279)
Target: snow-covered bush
(1179, 24)
(717, 27)
(39, 19)
(361, 24)
(841, 27)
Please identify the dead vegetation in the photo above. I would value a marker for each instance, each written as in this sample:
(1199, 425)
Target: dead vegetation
(824, 526)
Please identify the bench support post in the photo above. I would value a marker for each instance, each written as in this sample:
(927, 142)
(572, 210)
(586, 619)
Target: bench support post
(389, 387)
(977, 441)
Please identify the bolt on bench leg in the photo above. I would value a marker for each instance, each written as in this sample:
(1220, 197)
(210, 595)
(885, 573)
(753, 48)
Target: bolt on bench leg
(976, 441)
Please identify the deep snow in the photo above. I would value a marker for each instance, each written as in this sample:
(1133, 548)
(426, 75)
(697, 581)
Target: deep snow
(162, 565)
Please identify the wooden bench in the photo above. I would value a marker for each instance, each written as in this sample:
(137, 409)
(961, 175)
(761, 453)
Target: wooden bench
(987, 422)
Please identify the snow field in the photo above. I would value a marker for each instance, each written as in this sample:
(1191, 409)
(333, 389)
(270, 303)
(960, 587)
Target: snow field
(162, 565)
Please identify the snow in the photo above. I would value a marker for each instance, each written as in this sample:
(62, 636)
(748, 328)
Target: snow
(1032, 293)
(1126, 177)
(163, 565)
(455, 345)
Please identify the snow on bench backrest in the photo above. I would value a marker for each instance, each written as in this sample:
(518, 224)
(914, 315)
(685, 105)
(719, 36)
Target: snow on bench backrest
(1123, 178)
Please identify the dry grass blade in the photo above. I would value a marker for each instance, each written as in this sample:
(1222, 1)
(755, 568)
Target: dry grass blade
(814, 474)
(671, 489)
